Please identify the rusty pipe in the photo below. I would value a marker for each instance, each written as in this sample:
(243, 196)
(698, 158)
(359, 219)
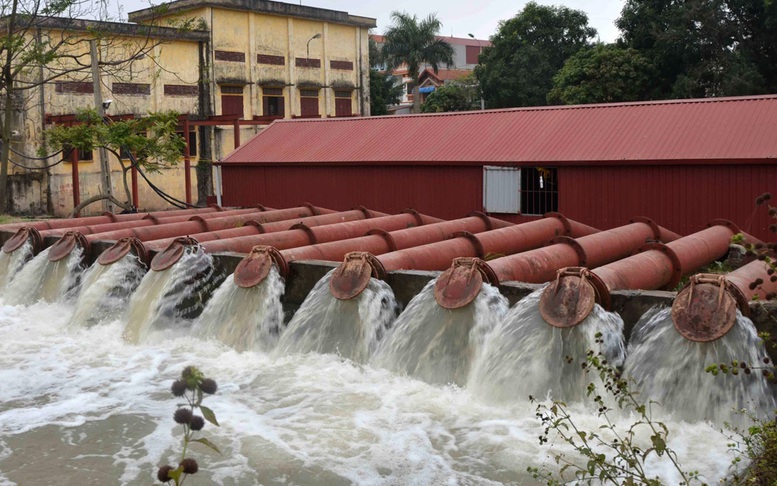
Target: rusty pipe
(298, 235)
(705, 309)
(569, 299)
(457, 286)
(437, 256)
(255, 266)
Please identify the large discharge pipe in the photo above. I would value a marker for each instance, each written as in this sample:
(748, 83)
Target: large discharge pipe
(298, 235)
(460, 284)
(705, 309)
(570, 298)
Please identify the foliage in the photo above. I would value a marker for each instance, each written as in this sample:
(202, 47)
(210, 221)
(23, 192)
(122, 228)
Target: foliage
(384, 91)
(414, 43)
(193, 386)
(611, 454)
(605, 73)
(460, 95)
(703, 48)
(527, 51)
(152, 139)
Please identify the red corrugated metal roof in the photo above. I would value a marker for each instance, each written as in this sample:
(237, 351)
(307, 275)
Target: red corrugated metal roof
(722, 129)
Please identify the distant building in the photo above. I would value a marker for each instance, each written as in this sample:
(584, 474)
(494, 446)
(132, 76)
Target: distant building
(246, 64)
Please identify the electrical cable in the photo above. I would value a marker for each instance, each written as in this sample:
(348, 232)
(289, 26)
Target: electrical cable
(167, 197)
(35, 158)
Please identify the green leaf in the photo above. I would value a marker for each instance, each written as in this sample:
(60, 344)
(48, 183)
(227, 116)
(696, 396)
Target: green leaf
(209, 415)
(207, 443)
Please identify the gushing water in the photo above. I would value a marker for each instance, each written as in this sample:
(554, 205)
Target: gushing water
(105, 291)
(11, 263)
(243, 318)
(669, 369)
(523, 355)
(41, 279)
(167, 298)
(350, 328)
(435, 344)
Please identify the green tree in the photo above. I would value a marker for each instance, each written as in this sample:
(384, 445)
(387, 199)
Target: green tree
(459, 95)
(414, 43)
(704, 48)
(527, 51)
(384, 90)
(152, 140)
(603, 74)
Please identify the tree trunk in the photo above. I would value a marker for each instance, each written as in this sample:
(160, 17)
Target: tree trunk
(416, 99)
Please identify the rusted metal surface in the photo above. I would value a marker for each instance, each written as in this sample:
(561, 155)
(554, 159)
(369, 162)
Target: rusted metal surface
(705, 310)
(122, 248)
(353, 275)
(23, 235)
(568, 300)
(255, 267)
(65, 245)
(170, 255)
(459, 286)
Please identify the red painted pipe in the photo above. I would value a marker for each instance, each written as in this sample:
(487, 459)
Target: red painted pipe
(255, 228)
(458, 287)
(705, 309)
(299, 235)
(571, 297)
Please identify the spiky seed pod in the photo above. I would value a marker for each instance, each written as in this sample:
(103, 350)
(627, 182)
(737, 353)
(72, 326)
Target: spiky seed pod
(191, 376)
(183, 415)
(189, 466)
(178, 388)
(208, 386)
(163, 475)
(197, 423)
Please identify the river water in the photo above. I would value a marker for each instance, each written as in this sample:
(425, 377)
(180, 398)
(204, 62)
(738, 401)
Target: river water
(82, 406)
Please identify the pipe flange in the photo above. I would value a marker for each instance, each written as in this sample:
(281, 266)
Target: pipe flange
(651, 223)
(392, 245)
(260, 207)
(354, 274)
(582, 258)
(564, 221)
(66, 244)
(313, 210)
(152, 218)
(419, 219)
(677, 266)
(476, 244)
(367, 213)
(123, 247)
(308, 231)
(22, 236)
(460, 284)
(484, 217)
(256, 224)
(254, 268)
(218, 207)
(110, 215)
(705, 309)
(203, 222)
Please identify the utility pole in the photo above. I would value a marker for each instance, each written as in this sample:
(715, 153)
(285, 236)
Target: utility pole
(105, 168)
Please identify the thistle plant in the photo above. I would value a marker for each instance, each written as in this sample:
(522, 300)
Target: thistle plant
(193, 386)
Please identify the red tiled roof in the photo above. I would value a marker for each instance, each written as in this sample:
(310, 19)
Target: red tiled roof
(715, 129)
(462, 41)
(445, 74)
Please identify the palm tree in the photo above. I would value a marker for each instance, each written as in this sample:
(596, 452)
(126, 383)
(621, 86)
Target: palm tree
(414, 44)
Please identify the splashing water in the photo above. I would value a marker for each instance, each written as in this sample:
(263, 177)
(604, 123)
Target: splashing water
(105, 291)
(41, 279)
(436, 344)
(350, 328)
(243, 318)
(523, 355)
(669, 369)
(11, 263)
(168, 298)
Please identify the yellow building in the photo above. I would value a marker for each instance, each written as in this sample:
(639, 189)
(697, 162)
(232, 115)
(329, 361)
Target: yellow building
(254, 61)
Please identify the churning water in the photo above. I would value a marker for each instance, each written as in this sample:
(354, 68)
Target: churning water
(524, 356)
(349, 328)
(244, 318)
(11, 263)
(438, 345)
(41, 279)
(670, 370)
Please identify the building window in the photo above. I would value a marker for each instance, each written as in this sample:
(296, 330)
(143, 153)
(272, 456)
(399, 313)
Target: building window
(192, 141)
(516, 190)
(83, 155)
(308, 103)
(344, 65)
(343, 104)
(270, 59)
(273, 102)
(232, 100)
(230, 56)
(472, 54)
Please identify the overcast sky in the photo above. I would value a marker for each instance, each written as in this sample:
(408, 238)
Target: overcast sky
(459, 17)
